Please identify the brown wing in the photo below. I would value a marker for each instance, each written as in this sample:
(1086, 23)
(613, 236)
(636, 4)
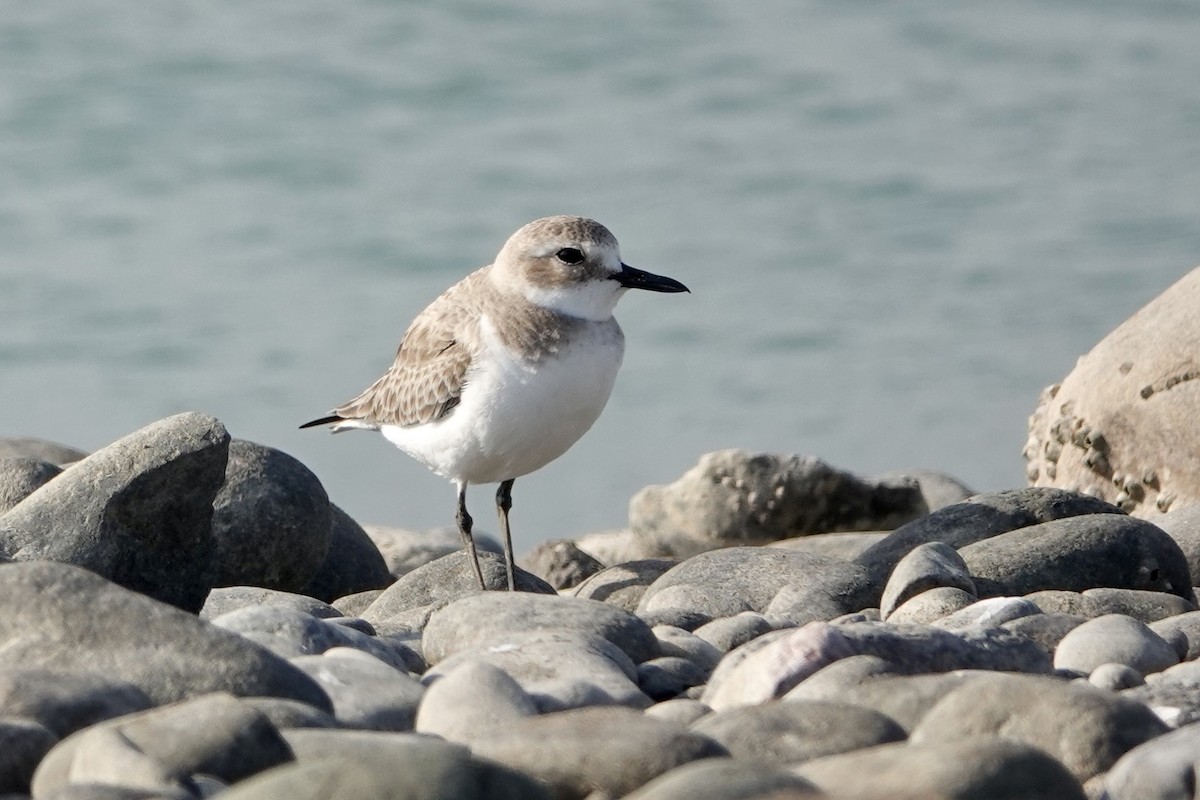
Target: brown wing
(427, 378)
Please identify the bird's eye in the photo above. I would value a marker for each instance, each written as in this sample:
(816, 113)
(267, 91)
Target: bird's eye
(570, 255)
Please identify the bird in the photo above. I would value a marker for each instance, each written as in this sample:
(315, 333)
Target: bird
(505, 370)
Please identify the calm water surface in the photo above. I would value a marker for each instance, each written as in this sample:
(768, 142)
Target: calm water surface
(899, 220)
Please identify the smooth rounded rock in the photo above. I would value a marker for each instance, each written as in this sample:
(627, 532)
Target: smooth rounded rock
(988, 613)
(690, 599)
(623, 584)
(975, 519)
(1058, 601)
(225, 599)
(677, 642)
(285, 714)
(795, 731)
(681, 711)
(1114, 638)
(65, 702)
(981, 768)
(927, 566)
(352, 605)
(367, 765)
(723, 779)
(610, 750)
(271, 520)
(772, 664)
(468, 701)
(475, 620)
(21, 477)
(903, 698)
(161, 749)
(558, 669)
(1145, 606)
(1085, 728)
(831, 682)
(138, 511)
(675, 617)
(1164, 768)
(754, 575)
(1078, 553)
(729, 632)
(352, 563)
(1115, 677)
(932, 605)
(365, 692)
(1187, 625)
(449, 578)
(289, 633)
(68, 619)
(846, 546)
(669, 676)
(1046, 630)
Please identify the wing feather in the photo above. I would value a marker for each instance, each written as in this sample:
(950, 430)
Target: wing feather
(426, 380)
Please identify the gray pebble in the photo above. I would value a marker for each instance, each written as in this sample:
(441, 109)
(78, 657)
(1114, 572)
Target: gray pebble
(365, 692)
(729, 632)
(468, 701)
(457, 626)
(796, 731)
(623, 585)
(723, 779)
(610, 750)
(927, 566)
(1083, 727)
(932, 604)
(1114, 638)
(1115, 677)
(669, 676)
(558, 669)
(1164, 768)
(972, 768)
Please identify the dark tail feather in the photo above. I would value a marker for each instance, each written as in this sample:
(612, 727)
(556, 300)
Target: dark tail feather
(322, 421)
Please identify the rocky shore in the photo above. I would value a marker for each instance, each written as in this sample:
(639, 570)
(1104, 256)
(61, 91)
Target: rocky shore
(186, 615)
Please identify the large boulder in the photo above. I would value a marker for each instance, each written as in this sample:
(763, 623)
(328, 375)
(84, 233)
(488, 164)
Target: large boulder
(139, 511)
(272, 520)
(352, 563)
(1123, 424)
(980, 517)
(735, 497)
(1078, 553)
(66, 619)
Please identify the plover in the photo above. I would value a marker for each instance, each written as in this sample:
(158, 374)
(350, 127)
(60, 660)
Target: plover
(504, 371)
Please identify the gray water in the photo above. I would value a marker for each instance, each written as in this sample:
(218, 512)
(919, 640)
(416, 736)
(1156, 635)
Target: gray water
(899, 221)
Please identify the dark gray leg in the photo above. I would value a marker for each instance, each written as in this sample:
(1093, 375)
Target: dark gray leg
(503, 504)
(464, 527)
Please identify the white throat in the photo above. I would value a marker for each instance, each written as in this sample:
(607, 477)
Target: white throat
(593, 300)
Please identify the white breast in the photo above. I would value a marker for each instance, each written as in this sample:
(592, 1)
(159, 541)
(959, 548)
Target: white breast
(516, 416)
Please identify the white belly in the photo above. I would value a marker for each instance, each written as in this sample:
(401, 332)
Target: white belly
(516, 417)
